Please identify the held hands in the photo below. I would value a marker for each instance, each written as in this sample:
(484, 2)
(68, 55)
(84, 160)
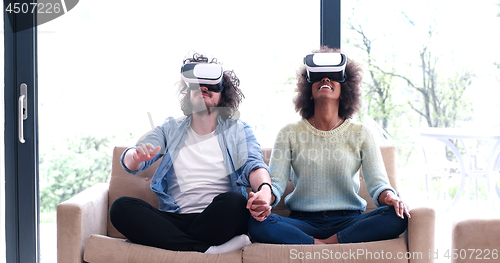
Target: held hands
(399, 205)
(145, 152)
(258, 206)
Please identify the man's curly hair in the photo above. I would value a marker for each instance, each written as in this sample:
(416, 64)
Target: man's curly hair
(231, 95)
(350, 89)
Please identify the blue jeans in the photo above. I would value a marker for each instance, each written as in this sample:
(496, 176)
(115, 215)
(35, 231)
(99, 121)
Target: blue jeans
(350, 226)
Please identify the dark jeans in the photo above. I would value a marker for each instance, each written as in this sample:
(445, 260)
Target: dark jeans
(142, 223)
(350, 226)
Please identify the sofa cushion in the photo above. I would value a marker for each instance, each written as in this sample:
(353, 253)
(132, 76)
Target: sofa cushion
(103, 249)
(379, 251)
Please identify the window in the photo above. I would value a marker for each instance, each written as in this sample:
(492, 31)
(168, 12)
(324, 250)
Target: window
(456, 41)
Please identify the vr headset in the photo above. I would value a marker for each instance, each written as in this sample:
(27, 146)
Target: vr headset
(330, 65)
(209, 75)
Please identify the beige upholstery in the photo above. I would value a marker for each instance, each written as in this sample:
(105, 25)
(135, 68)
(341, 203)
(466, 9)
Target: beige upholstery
(85, 233)
(475, 240)
(121, 182)
(258, 253)
(108, 249)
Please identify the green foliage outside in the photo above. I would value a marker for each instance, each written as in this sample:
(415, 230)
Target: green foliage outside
(71, 167)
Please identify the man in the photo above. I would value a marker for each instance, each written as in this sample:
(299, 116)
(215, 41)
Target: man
(208, 160)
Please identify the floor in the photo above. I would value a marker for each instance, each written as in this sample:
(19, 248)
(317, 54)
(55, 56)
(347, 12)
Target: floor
(48, 243)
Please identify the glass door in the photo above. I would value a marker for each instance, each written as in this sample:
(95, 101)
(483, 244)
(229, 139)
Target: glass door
(20, 135)
(432, 64)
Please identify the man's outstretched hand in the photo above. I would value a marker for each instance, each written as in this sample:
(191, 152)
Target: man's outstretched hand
(145, 152)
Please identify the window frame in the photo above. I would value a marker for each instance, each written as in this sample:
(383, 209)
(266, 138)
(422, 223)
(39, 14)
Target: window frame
(21, 159)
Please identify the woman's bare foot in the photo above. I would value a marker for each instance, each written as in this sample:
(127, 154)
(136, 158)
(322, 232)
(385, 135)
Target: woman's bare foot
(318, 242)
(331, 240)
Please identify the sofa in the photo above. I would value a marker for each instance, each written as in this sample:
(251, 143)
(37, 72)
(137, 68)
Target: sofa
(474, 241)
(85, 234)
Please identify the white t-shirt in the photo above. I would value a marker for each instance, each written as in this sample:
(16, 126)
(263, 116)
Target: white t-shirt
(200, 174)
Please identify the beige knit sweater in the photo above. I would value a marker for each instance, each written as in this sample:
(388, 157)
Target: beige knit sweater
(324, 166)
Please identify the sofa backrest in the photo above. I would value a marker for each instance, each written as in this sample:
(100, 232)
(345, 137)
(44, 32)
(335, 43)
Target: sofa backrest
(125, 184)
(138, 185)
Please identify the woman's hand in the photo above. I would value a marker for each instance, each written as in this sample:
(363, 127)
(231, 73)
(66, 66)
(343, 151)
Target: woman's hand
(399, 206)
(259, 203)
(258, 206)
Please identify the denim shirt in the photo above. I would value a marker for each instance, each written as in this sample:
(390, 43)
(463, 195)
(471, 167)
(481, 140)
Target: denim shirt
(240, 150)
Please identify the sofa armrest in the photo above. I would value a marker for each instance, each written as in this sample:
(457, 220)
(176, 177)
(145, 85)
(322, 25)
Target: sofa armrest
(421, 230)
(478, 238)
(77, 218)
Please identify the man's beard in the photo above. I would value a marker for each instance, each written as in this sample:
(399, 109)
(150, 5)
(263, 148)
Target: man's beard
(201, 107)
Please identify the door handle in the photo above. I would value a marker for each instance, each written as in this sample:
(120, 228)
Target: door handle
(22, 111)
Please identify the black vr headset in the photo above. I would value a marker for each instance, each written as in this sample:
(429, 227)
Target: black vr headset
(209, 75)
(330, 65)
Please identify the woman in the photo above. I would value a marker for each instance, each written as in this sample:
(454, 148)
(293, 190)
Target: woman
(322, 154)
